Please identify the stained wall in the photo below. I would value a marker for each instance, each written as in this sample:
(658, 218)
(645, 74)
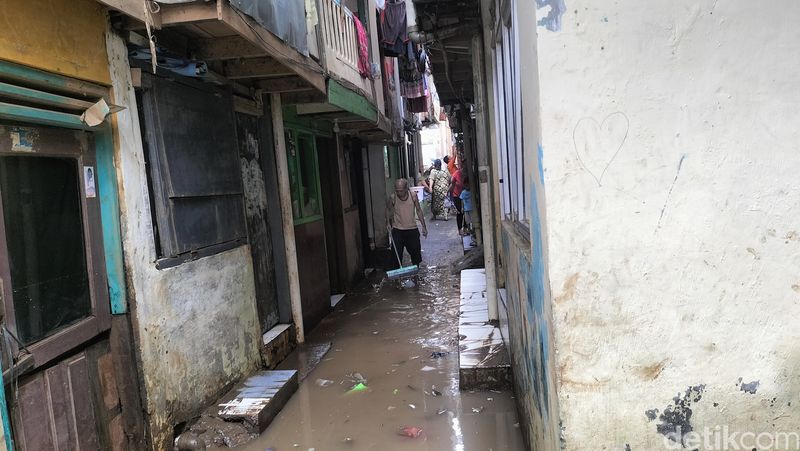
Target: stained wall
(670, 133)
(195, 324)
(526, 316)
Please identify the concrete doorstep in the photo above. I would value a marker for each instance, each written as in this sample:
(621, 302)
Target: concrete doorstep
(483, 359)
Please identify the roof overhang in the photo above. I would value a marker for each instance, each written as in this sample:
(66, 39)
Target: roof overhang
(232, 43)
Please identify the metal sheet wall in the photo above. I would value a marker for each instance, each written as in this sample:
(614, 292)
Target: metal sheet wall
(284, 18)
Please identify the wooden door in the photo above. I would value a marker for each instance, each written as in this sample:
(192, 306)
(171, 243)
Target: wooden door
(258, 227)
(54, 292)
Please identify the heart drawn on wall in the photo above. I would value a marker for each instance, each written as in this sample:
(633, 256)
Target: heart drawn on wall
(597, 144)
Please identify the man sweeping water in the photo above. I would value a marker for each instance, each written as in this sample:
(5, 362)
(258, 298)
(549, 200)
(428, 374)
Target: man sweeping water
(402, 209)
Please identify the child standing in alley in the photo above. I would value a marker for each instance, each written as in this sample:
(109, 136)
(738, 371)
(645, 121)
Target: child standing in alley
(466, 204)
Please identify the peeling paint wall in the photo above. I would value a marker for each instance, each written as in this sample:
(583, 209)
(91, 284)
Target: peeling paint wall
(670, 133)
(195, 325)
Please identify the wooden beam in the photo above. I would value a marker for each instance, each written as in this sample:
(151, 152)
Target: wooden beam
(256, 68)
(317, 108)
(357, 126)
(304, 66)
(301, 97)
(287, 221)
(40, 116)
(187, 13)
(132, 8)
(224, 48)
(43, 98)
(286, 84)
(40, 79)
(248, 106)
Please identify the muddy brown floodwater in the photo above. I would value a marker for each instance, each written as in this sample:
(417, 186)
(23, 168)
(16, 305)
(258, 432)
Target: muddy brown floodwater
(388, 335)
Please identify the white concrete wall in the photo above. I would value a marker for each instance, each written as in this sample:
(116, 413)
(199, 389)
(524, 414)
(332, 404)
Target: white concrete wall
(670, 133)
(436, 141)
(196, 324)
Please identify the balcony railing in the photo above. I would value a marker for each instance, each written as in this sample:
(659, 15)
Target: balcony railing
(340, 42)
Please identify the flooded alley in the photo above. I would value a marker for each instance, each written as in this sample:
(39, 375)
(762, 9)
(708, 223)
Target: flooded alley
(403, 345)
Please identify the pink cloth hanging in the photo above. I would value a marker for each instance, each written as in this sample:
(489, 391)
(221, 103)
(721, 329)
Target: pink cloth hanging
(364, 67)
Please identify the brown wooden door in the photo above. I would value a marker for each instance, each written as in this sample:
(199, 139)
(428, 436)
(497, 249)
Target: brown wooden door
(54, 288)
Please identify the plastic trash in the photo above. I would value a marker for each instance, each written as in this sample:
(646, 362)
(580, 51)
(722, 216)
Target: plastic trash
(427, 368)
(324, 382)
(434, 391)
(395, 391)
(441, 411)
(358, 387)
(410, 431)
(477, 409)
(438, 354)
(407, 283)
(390, 408)
(412, 406)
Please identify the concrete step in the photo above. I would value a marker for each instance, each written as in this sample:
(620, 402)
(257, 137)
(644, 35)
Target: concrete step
(483, 358)
(277, 343)
(258, 399)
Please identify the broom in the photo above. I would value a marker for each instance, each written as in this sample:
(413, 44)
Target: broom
(403, 271)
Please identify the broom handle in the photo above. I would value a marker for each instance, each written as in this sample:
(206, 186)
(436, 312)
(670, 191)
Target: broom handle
(391, 242)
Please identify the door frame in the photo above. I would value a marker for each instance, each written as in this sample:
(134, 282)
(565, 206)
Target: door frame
(77, 145)
(105, 172)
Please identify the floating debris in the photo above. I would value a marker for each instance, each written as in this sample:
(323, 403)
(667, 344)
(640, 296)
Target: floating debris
(410, 431)
(324, 382)
(439, 354)
(359, 387)
(477, 409)
(427, 368)
(390, 408)
(412, 406)
(441, 412)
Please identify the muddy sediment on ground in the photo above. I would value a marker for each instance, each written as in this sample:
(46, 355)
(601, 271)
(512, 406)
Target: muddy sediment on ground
(390, 379)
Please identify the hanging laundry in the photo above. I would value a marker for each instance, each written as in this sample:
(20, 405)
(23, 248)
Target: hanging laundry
(419, 104)
(394, 27)
(412, 67)
(364, 66)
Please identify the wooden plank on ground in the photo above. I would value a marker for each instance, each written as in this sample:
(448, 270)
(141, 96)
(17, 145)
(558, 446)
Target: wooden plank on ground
(259, 398)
